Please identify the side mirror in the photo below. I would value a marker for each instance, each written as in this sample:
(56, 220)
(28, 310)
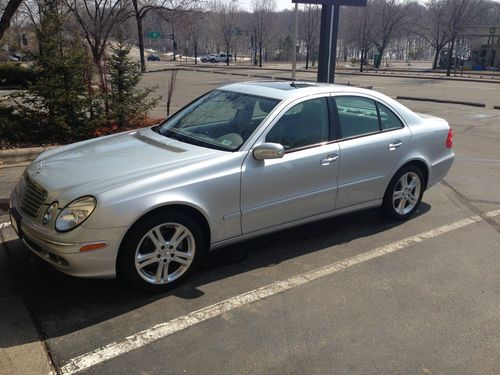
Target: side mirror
(268, 151)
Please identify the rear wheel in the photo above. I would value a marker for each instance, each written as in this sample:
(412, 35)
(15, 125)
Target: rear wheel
(161, 251)
(404, 193)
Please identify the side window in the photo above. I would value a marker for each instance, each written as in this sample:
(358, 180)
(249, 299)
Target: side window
(304, 124)
(388, 119)
(357, 116)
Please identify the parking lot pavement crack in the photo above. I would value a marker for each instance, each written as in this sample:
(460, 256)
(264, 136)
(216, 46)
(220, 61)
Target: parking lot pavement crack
(468, 203)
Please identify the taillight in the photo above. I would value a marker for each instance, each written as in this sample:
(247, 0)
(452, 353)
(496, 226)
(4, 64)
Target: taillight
(449, 139)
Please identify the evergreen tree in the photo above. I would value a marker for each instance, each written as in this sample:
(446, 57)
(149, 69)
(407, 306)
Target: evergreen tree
(127, 104)
(58, 106)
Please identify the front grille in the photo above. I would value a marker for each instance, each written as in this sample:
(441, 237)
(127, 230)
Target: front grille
(31, 196)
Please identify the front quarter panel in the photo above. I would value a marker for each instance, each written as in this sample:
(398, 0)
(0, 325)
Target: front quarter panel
(212, 187)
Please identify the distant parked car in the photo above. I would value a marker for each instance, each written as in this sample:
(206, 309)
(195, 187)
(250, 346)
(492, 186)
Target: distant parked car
(17, 57)
(20, 57)
(153, 58)
(244, 160)
(214, 58)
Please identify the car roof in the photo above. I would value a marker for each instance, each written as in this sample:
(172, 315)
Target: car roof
(290, 89)
(282, 90)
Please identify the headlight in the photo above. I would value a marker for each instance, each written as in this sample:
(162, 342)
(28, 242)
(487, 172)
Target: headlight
(75, 213)
(49, 213)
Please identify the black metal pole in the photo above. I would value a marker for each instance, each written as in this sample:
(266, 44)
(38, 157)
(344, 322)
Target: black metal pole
(333, 44)
(324, 40)
(328, 43)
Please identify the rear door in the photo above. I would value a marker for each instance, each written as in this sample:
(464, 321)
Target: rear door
(372, 139)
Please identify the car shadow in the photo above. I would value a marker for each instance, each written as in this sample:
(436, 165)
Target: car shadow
(74, 303)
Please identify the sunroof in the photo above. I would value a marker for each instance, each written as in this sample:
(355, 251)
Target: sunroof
(284, 85)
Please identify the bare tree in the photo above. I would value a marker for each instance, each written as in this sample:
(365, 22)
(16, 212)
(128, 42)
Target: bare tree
(262, 22)
(310, 21)
(390, 16)
(226, 16)
(434, 27)
(365, 28)
(97, 19)
(8, 12)
(140, 9)
(170, 88)
(462, 13)
(195, 18)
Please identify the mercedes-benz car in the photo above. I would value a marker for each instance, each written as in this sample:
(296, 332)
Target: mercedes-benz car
(240, 161)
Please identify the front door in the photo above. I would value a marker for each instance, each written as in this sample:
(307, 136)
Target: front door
(301, 184)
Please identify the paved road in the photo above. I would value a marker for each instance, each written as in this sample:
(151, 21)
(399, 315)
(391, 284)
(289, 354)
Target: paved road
(192, 84)
(431, 305)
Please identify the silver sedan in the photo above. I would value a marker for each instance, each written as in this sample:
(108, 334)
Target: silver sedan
(240, 161)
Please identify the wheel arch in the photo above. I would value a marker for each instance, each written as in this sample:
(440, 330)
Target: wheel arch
(172, 207)
(420, 164)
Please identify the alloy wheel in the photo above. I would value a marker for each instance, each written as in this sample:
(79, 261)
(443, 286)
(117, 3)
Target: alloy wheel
(165, 253)
(406, 193)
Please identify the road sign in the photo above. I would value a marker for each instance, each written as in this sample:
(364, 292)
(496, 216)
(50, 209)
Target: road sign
(153, 35)
(352, 3)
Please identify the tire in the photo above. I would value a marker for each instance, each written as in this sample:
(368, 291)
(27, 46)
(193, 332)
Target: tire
(404, 193)
(203, 60)
(212, 61)
(148, 260)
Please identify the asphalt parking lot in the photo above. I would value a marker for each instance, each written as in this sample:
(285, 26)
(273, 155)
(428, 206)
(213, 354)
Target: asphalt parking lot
(350, 295)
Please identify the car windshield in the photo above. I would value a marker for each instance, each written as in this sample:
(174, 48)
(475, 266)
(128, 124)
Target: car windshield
(221, 119)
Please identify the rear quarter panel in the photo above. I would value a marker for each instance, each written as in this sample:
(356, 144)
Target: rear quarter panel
(429, 146)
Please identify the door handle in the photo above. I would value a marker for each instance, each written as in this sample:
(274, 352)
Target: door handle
(394, 145)
(329, 159)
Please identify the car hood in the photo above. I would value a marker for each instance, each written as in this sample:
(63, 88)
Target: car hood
(94, 166)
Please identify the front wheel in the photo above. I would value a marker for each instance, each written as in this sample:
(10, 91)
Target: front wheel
(404, 193)
(161, 251)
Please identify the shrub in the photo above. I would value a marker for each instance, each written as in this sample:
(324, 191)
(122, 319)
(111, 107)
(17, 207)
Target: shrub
(16, 75)
(12, 131)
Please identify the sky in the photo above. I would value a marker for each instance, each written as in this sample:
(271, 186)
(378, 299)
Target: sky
(282, 4)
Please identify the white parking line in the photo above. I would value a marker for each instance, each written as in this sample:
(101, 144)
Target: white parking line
(162, 330)
(4, 225)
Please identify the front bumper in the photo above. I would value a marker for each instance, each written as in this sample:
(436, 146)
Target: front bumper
(62, 250)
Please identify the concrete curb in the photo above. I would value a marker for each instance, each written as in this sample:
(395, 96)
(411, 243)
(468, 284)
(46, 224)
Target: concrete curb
(472, 104)
(20, 155)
